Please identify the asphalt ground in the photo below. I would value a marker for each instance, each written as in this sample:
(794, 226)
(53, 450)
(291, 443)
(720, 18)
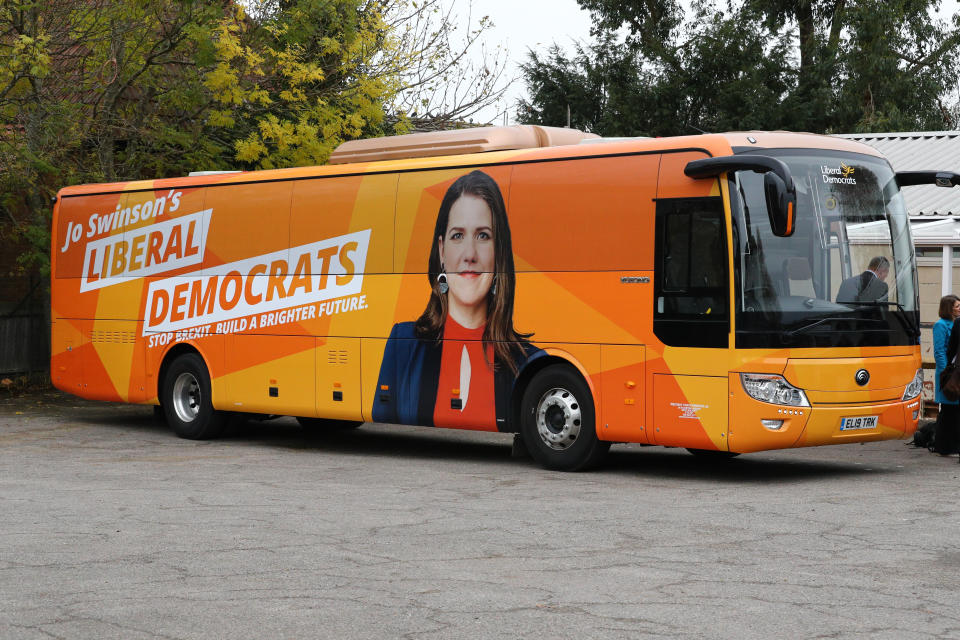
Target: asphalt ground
(114, 528)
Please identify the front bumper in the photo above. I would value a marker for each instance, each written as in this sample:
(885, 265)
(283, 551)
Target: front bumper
(816, 425)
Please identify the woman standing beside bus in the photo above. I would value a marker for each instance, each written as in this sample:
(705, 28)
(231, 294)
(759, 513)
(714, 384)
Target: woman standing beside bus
(944, 333)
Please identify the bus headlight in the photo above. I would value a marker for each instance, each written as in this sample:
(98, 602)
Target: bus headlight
(774, 389)
(915, 387)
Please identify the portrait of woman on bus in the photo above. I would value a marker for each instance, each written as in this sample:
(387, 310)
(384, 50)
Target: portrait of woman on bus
(455, 365)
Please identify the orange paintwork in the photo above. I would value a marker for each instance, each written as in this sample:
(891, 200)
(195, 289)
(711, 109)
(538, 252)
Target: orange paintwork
(325, 260)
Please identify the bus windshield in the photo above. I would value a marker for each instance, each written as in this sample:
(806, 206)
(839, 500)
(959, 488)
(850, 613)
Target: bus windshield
(847, 275)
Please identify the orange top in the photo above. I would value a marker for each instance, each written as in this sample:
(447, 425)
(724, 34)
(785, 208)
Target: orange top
(465, 377)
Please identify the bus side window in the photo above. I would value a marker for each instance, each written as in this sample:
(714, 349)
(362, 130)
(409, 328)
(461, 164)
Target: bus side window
(691, 283)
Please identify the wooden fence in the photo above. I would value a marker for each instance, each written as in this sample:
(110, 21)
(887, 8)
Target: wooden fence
(24, 328)
(24, 344)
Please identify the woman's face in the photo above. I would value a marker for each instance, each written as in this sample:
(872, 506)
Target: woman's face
(956, 309)
(467, 254)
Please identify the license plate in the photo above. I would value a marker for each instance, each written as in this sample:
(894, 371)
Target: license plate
(858, 422)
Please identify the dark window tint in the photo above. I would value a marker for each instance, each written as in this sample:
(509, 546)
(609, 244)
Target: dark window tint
(692, 304)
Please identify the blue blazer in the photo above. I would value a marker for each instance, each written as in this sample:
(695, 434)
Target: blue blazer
(942, 330)
(411, 372)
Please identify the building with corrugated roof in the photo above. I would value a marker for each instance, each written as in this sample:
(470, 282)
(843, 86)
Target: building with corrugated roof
(920, 151)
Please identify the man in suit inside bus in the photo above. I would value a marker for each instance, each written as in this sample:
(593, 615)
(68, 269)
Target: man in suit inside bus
(869, 286)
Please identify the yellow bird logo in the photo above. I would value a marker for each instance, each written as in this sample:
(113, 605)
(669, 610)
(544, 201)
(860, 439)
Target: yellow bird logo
(847, 171)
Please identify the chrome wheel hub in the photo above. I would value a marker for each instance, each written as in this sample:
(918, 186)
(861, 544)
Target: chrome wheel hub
(186, 397)
(558, 419)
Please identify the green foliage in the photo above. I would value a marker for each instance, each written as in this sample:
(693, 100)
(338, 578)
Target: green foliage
(94, 90)
(821, 66)
(115, 90)
(293, 86)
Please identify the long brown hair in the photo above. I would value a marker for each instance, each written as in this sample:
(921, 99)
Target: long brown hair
(499, 330)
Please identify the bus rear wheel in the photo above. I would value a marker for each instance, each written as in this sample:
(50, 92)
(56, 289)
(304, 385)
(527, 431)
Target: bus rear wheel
(187, 401)
(557, 421)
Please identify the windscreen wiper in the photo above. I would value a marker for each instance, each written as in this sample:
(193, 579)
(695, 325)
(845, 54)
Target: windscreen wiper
(820, 321)
(806, 327)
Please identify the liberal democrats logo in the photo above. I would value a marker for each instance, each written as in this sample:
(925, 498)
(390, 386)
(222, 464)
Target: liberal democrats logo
(842, 174)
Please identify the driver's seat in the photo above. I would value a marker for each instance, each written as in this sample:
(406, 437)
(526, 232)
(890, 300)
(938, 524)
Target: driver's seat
(799, 277)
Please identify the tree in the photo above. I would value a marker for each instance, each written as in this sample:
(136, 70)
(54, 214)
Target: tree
(298, 77)
(107, 90)
(94, 90)
(812, 65)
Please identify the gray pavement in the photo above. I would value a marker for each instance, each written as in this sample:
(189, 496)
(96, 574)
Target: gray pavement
(114, 528)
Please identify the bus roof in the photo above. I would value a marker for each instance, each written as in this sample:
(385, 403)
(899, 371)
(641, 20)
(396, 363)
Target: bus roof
(486, 146)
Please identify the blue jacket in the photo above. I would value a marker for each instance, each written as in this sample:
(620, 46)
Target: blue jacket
(941, 337)
(411, 372)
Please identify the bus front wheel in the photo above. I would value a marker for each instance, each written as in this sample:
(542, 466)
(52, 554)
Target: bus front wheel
(558, 422)
(187, 402)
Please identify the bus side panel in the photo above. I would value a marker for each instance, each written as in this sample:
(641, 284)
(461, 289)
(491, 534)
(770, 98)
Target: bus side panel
(246, 220)
(115, 343)
(339, 391)
(371, 357)
(336, 207)
(690, 411)
(247, 263)
(272, 383)
(105, 245)
(688, 399)
(590, 214)
(66, 366)
(298, 290)
(622, 394)
(330, 208)
(72, 313)
(674, 183)
(583, 249)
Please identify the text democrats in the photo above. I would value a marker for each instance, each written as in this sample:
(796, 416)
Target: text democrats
(324, 270)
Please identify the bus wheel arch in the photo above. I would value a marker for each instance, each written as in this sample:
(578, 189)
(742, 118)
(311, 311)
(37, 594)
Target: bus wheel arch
(530, 369)
(555, 413)
(171, 354)
(184, 391)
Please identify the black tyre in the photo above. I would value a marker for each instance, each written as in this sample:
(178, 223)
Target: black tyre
(187, 402)
(325, 424)
(558, 422)
(710, 454)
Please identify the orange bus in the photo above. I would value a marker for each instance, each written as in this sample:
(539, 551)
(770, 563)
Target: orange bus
(726, 293)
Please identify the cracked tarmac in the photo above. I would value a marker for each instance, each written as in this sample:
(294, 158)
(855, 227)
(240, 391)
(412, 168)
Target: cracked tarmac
(114, 528)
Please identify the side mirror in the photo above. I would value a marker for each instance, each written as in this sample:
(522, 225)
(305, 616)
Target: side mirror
(939, 178)
(781, 205)
(778, 187)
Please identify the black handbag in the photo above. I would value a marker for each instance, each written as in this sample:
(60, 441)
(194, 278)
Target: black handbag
(950, 382)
